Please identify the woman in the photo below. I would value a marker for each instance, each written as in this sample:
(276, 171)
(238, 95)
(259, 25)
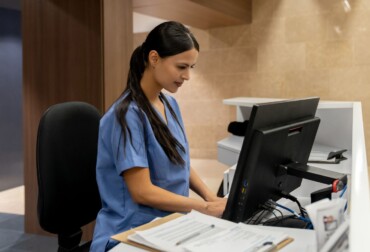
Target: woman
(143, 165)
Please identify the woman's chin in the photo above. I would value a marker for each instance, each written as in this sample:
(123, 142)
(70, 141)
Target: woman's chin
(172, 90)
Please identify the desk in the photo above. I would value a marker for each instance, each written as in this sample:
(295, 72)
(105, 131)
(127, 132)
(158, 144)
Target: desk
(123, 247)
(342, 127)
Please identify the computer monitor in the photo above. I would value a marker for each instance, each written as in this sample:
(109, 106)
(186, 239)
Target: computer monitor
(278, 133)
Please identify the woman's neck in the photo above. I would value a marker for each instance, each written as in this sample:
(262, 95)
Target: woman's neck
(149, 86)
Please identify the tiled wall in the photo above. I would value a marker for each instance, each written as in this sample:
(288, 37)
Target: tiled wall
(292, 48)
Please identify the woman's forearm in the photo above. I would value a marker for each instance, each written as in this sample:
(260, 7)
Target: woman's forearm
(144, 192)
(200, 188)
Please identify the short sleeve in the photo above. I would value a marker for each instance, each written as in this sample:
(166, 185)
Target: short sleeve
(131, 152)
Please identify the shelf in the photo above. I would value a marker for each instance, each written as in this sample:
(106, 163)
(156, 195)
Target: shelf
(230, 147)
(250, 101)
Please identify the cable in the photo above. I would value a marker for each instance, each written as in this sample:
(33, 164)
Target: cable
(259, 218)
(309, 226)
(292, 198)
(275, 209)
(341, 195)
(343, 191)
(272, 209)
(273, 205)
(258, 215)
(254, 219)
(293, 212)
(251, 219)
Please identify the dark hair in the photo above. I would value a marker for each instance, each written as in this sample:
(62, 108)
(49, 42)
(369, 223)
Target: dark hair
(168, 39)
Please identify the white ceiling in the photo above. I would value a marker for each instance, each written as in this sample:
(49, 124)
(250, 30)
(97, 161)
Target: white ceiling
(144, 23)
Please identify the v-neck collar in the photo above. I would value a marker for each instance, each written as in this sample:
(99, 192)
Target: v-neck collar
(164, 120)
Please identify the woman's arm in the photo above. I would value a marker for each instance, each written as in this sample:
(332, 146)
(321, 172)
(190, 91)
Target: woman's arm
(144, 192)
(200, 188)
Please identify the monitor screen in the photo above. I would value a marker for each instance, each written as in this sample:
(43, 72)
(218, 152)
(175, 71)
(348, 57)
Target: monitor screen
(278, 133)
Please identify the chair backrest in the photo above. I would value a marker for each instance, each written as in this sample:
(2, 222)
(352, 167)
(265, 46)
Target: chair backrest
(68, 196)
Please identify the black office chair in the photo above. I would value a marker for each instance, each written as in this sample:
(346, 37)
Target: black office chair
(68, 196)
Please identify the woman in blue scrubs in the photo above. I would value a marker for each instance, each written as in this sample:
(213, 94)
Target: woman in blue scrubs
(143, 166)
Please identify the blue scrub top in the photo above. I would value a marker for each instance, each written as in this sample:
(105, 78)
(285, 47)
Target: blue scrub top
(119, 212)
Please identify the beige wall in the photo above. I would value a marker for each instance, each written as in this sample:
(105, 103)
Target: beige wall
(292, 48)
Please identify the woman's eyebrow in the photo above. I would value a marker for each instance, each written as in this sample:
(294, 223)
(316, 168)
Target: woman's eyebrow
(187, 65)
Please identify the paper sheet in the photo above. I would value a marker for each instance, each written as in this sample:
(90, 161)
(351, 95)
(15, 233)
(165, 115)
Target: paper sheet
(241, 237)
(199, 232)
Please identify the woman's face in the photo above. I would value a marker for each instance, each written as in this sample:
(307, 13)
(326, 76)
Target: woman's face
(171, 72)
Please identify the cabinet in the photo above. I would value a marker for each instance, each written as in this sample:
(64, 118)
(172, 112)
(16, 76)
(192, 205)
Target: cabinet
(341, 127)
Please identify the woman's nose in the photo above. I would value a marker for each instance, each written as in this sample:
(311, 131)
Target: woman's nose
(186, 75)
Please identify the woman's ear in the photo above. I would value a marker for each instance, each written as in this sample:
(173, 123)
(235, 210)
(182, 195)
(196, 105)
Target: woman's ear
(153, 58)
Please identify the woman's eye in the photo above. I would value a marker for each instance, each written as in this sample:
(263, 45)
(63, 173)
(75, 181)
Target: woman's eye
(182, 67)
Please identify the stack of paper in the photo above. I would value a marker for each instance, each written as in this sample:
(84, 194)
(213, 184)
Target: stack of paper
(199, 232)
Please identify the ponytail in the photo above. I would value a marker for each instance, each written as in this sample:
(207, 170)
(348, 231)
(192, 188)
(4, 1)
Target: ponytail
(167, 39)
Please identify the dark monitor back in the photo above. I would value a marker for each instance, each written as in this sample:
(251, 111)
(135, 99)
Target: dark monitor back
(267, 116)
(274, 113)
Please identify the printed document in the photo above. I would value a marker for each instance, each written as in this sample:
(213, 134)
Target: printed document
(199, 232)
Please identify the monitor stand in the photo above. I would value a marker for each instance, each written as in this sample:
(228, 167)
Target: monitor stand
(335, 179)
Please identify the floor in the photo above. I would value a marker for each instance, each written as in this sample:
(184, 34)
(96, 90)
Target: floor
(13, 238)
(11, 167)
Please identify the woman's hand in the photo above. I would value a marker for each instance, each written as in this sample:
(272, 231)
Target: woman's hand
(215, 208)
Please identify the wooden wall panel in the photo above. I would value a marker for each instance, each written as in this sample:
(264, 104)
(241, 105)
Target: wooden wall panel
(118, 46)
(63, 60)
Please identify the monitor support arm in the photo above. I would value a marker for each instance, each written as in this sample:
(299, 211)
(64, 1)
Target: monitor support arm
(335, 179)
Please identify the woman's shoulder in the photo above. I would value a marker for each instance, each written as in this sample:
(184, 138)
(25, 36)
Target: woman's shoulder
(132, 109)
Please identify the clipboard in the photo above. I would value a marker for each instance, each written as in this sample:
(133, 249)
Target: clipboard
(123, 237)
(284, 243)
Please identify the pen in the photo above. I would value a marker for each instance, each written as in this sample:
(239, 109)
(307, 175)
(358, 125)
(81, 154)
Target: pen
(266, 247)
(195, 234)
